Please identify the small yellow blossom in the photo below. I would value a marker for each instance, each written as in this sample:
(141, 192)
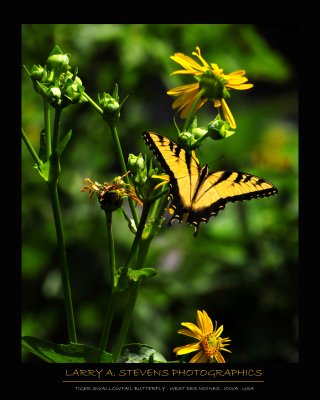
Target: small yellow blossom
(211, 81)
(209, 342)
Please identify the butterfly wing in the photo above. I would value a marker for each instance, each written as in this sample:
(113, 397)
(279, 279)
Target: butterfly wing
(197, 194)
(219, 188)
(182, 168)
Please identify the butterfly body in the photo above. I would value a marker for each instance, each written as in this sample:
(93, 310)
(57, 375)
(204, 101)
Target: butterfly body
(196, 194)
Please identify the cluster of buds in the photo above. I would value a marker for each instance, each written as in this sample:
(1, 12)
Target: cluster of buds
(217, 129)
(56, 83)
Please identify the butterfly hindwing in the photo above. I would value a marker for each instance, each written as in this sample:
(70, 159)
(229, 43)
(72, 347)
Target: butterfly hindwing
(197, 194)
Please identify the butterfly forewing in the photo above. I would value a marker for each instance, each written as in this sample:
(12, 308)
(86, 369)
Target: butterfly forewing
(181, 167)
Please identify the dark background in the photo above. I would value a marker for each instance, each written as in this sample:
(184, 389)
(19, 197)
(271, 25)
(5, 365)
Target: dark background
(242, 268)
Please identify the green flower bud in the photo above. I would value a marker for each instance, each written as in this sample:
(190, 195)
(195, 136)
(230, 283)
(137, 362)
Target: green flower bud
(139, 172)
(73, 92)
(37, 73)
(111, 108)
(54, 96)
(108, 103)
(219, 129)
(136, 163)
(58, 62)
(186, 139)
(40, 88)
(198, 133)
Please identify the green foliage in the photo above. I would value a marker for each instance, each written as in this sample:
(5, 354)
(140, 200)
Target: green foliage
(64, 353)
(242, 269)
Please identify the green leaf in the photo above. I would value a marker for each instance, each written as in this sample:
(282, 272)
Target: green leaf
(136, 274)
(56, 50)
(140, 353)
(63, 143)
(44, 170)
(124, 279)
(64, 353)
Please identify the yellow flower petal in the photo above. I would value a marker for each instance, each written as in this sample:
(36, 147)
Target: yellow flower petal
(179, 90)
(186, 72)
(187, 332)
(227, 114)
(222, 348)
(219, 331)
(187, 62)
(219, 357)
(237, 80)
(188, 348)
(204, 322)
(239, 72)
(198, 54)
(216, 69)
(193, 328)
(186, 110)
(200, 357)
(184, 100)
(244, 86)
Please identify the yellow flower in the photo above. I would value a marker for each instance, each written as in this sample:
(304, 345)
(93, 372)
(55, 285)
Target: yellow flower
(209, 342)
(213, 83)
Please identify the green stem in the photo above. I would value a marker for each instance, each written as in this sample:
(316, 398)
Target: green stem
(134, 288)
(135, 244)
(132, 297)
(112, 301)
(155, 213)
(56, 128)
(111, 271)
(53, 189)
(124, 171)
(94, 104)
(47, 127)
(112, 258)
(196, 143)
(192, 109)
(32, 151)
(159, 205)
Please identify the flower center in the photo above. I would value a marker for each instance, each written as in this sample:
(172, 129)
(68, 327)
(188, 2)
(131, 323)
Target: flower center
(210, 344)
(213, 85)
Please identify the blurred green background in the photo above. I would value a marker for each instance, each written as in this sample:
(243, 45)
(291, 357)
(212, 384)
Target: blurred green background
(242, 268)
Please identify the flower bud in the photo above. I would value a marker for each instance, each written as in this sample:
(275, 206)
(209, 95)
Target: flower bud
(139, 172)
(73, 92)
(58, 62)
(54, 96)
(136, 163)
(186, 139)
(108, 103)
(37, 73)
(198, 133)
(110, 107)
(219, 129)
